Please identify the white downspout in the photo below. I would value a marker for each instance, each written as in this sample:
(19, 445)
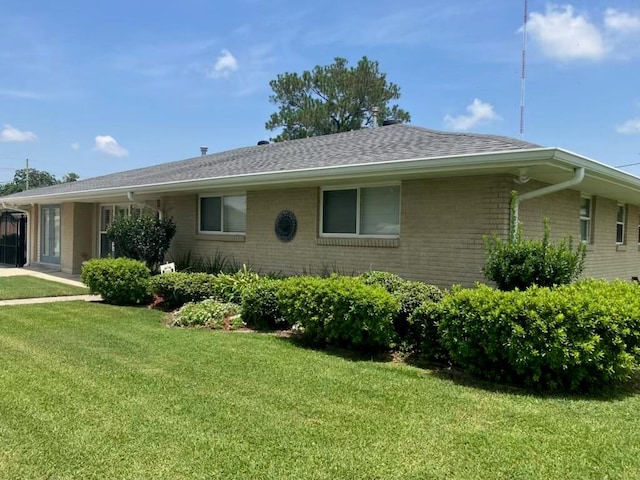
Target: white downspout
(578, 176)
(27, 233)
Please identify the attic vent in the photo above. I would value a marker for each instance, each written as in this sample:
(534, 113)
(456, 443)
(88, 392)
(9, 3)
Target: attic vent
(203, 150)
(388, 122)
(263, 142)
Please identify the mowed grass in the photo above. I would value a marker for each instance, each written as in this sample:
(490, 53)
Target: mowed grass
(26, 286)
(91, 391)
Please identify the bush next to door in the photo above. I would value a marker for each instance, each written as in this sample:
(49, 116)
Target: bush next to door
(573, 337)
(120, 281)
(339, 310)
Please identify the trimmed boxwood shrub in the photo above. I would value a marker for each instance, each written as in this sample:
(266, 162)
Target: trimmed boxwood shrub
(573, 337)
(178, 288)
(260, 308)
(120, 281)
(423, 332)
(209, 314)
(410, 295)
(339, 310)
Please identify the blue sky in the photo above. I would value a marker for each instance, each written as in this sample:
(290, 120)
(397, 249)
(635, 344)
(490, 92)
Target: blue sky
(97, 87)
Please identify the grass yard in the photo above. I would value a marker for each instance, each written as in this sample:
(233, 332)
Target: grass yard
(91, 391)
(26, 286)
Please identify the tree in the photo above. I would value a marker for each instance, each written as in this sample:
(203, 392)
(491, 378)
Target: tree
(146, 238)
(70, 177)
(37, 178)
(331, 99)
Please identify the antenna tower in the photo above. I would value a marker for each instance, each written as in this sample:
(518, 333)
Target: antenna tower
(523, 79)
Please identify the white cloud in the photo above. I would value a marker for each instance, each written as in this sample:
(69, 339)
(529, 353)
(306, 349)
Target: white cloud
(629, 127)
(479, 112)
(224, 66)
(621, 22)
(75, 146)
(565, 35)
(10, 134)
(23, 94)
(107, 144)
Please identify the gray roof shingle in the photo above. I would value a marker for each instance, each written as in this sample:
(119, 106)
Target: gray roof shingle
(384, 144)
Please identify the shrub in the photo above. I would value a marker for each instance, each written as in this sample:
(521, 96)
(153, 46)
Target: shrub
(178, 288)
(519, 263)
(145, 238)
(423, 333)
(260, 308)
(209, 314)
(410, 295)
(120, 281)
(389, 281)
(338, 310)
(231, 285)
(573, 337)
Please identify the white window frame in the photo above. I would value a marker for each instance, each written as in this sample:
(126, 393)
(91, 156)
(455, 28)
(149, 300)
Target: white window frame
(358, 188)
(588, 219)
(623, 222)
(221, 196)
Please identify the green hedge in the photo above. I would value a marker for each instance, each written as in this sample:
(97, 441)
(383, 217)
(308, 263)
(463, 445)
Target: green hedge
(339, 310)
(120, 281)
(573, 337)
(260, 306)
(178, 288)
(410, 295)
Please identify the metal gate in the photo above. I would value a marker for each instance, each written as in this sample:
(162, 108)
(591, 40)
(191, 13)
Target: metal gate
(13, 228)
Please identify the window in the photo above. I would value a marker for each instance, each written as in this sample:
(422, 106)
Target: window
(585, 219)
(373, 211)
(620, 224)
(223, 214)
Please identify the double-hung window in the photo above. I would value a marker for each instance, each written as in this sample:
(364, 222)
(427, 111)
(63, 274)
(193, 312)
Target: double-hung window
(620, 221)
(585, 219)
(223, 214)
(362, 211)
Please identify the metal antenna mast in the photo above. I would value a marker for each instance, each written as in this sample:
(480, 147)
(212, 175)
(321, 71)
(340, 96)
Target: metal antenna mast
(523, 79)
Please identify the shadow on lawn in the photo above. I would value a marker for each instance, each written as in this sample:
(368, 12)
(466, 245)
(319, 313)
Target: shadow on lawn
(465, 379)
(459, 377)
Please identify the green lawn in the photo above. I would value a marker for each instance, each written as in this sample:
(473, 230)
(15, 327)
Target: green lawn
(26, 286)
(92, 391)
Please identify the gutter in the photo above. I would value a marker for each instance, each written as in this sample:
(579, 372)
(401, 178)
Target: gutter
(578, 176)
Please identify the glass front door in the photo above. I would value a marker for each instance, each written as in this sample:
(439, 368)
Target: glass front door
(50, 234)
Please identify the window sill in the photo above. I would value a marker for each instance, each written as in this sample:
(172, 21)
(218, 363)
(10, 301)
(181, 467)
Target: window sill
(359, 242)
(621, 248)
(221, 237)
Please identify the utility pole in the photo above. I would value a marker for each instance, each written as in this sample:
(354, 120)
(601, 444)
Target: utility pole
(27, 175)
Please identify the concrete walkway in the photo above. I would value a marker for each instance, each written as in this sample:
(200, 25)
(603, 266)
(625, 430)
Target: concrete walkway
(51, 276)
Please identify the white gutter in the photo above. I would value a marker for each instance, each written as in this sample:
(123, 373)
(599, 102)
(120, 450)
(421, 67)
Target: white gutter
(578, 176)
(8, 206)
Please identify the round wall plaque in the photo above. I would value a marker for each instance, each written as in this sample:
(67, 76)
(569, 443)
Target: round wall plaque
(286, 225)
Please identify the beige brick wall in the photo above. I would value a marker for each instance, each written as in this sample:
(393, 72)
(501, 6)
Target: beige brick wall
(442, 224)
(604, 258)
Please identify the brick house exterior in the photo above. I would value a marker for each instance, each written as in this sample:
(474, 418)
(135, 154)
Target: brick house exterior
(399, 198)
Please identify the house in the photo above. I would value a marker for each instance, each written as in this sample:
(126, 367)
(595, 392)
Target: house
(400, 198)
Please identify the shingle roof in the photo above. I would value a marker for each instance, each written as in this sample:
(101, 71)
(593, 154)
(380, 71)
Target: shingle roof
(365, 146)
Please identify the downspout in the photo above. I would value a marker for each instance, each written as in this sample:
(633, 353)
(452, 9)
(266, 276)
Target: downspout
(27, 233)
(578, 176)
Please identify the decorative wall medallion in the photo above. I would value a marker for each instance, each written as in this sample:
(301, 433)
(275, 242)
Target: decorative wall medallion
(286, 225)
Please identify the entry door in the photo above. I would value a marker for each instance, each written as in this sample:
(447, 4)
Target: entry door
(50, 234)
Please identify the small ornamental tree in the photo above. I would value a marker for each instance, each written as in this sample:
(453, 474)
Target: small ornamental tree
(519, 264)
(145, 238)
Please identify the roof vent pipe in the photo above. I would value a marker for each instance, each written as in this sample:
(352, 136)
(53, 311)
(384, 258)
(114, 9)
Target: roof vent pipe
(263, 142)
(374, 116)
(203, 150)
